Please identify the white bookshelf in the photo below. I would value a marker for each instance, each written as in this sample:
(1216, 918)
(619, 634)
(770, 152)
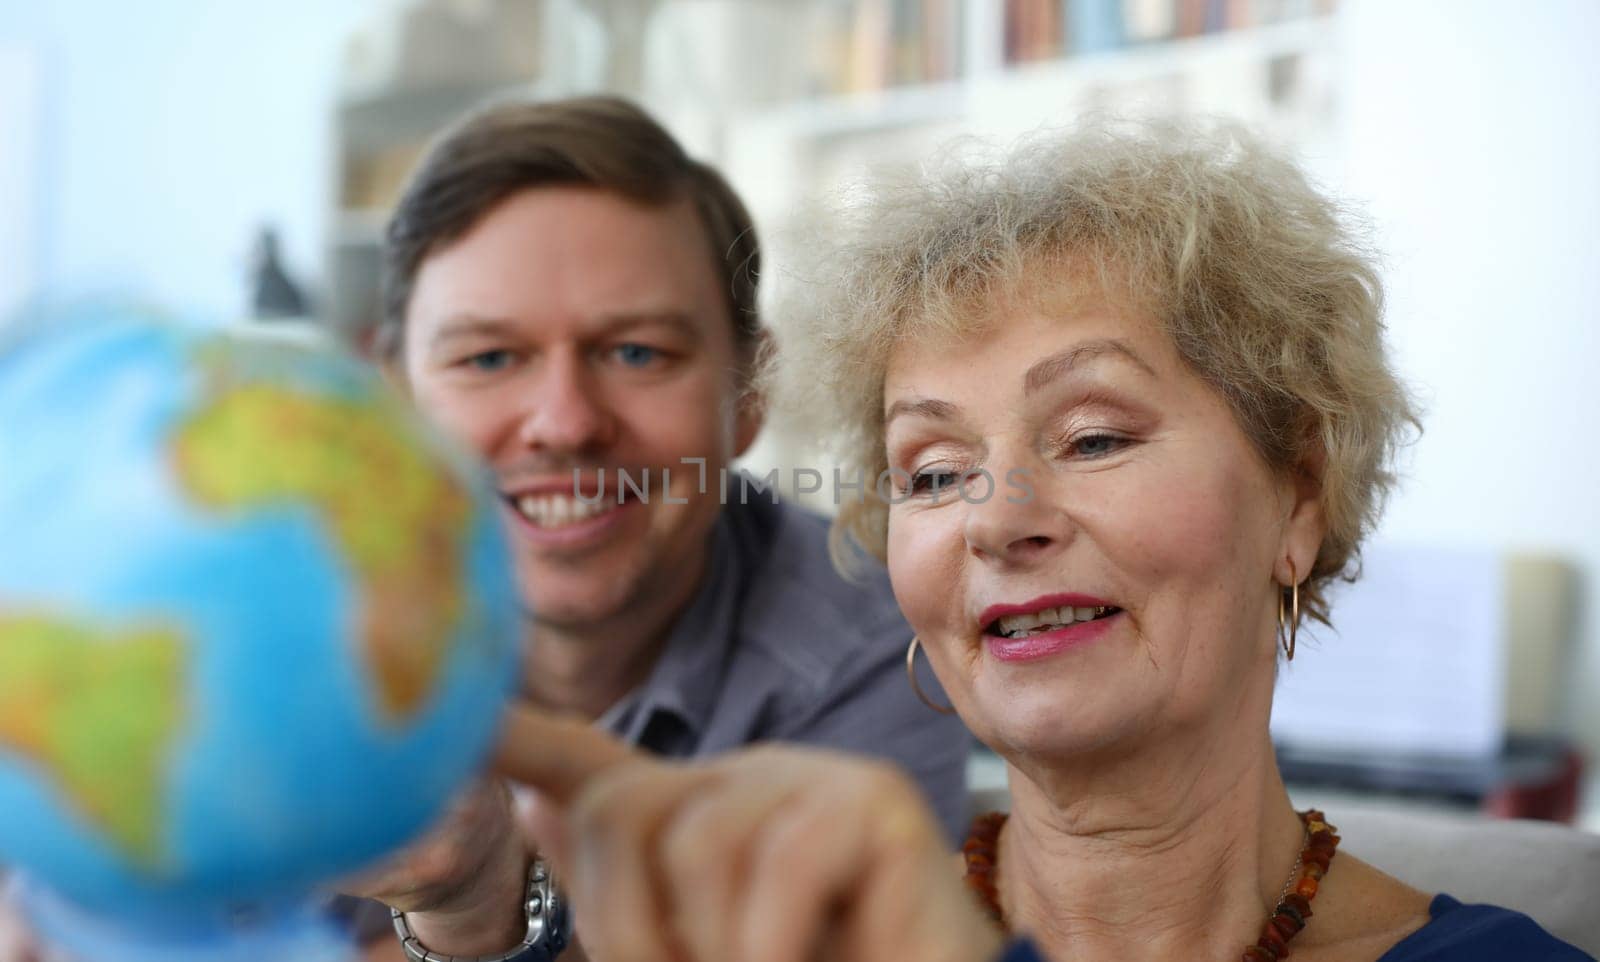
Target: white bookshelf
(784, 153)
(718, 73)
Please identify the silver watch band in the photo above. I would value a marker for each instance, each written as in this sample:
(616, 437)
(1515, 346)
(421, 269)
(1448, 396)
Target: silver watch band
(547, 926)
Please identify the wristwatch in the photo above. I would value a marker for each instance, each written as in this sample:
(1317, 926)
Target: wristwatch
(547, 926)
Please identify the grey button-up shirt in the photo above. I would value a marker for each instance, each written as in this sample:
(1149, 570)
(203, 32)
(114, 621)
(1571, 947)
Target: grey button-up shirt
(778, 646)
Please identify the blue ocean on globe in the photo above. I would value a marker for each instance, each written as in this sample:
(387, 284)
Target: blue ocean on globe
(257, 624)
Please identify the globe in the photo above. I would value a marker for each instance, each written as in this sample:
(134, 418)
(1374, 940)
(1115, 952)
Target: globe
(257, 624)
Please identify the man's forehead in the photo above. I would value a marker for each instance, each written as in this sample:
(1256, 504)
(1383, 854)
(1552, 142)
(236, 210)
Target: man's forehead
(572, 261)
(586, 209)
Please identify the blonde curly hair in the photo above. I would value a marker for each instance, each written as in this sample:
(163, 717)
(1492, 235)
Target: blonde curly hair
(1266, 288)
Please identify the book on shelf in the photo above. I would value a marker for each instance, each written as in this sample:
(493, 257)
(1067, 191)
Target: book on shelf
(1033, 31)
(942, 35)
(1095, 25)
(871, 41)
(867, 45)
(1277, 11)
(1038, 30)
(1148, 21)
(1195, 17)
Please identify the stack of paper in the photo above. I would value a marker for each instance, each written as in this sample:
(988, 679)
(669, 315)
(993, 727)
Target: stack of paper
(1415, 662)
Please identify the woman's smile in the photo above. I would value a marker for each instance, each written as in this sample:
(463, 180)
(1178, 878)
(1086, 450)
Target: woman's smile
(1045, 626)
(1052, 641)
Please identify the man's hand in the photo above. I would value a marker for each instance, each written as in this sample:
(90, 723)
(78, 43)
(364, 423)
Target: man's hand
(767, 855)
(16, 945)
(462, 885)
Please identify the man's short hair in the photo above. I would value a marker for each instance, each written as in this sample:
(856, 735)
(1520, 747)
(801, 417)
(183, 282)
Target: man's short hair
(601, 142)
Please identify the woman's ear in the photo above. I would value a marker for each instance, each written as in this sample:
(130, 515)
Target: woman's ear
(751, 412)
(1306, 523)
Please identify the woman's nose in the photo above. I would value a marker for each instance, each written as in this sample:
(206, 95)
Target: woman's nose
(566, 410)
(1016, 523)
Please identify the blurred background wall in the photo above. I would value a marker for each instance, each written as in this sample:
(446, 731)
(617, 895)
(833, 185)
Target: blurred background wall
(1473, 139)
(165, 133)
(142, 147)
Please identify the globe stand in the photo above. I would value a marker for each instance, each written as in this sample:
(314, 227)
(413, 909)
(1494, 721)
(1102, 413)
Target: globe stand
(297, 931)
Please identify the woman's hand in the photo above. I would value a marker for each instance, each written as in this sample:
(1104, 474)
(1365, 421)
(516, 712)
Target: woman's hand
(767, 855)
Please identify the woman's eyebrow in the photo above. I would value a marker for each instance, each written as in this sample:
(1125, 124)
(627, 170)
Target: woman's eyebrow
(1056, 365)
(922, 407)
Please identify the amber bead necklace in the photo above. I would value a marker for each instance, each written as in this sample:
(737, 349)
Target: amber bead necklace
(982, 854)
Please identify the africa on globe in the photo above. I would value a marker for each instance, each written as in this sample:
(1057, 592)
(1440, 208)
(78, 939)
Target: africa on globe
(256, 623)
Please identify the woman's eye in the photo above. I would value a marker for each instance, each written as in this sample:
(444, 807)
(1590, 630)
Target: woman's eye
(1097, 445)
(488, 361)
(933, 479)
(636, 355)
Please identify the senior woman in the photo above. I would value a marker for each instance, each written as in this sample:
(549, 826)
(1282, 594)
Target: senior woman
(1127, 395)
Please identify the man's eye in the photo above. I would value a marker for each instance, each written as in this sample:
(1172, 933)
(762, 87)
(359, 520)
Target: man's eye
(636, 355)
(488, 361)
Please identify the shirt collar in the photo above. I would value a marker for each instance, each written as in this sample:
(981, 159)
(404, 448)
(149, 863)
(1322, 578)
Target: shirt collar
(685, 682)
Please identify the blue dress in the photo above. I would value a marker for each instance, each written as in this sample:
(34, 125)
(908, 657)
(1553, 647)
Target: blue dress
(1454, 933)
(1480, 933)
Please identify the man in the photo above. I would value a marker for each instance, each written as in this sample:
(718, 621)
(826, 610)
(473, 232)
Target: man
(572, 295)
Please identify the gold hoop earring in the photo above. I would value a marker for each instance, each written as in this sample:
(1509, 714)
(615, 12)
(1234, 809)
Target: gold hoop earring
(1292, 619)
(911, 673)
